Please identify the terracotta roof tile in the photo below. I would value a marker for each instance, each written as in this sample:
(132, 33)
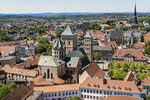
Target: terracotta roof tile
(26, 72)
(130, 77)
(146, 82)
(58, 80)
(6, 49)
(136, 53)
(58, 88)
(95, 70)
(90, 83)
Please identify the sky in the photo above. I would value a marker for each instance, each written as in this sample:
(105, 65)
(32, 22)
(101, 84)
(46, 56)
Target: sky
(45, 6)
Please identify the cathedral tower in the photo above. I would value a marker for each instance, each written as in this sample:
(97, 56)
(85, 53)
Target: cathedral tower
(88, 46)
(59, 49)
(69, 38)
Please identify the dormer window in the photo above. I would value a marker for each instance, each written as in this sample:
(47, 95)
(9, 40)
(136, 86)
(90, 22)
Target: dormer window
(121, 56)
(142, 57)
(130, 89)
(119, 88)
(108, 87)
(69, 64)
(94, 85)
(116, 56)
(98, 86)
(88, 85)
(114, 87)
(126, 88)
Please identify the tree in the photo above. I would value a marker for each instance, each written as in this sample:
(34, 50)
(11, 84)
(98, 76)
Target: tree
(96, 44)
(124, 66)
(147, 50)
(39, 49)
(58, 34)
(13, 64)
(148, 43)
(148, 97)
(133, 67)
(73, 98)
(44, 40)
(97, 56)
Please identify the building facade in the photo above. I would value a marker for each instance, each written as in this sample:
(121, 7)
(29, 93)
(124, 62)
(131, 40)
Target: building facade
(129, 55)
(90, 89)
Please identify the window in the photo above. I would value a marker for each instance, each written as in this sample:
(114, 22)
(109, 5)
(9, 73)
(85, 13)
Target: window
(51, 75)
(59, 94)
(87, 90)
(107, 93)
(97, 91)
(94, 91)
(44, 75)
(81, 96)
(90, 91)
(108, 87)
(94, 85)
(126, 88)
(45, 95)
(110, 93)
(100, 92)
(88, 85)
(98, 86)
(84, 90)
(114, 87)
(130, 89)
(87, 96)
(47, 73)
(49, 95)
(90, 97)
(119, 88)
(104, 92)
(68, 42)
(66, 93)
(76, 92)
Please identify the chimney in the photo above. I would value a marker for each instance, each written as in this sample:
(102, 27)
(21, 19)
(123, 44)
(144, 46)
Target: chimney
(104, 81)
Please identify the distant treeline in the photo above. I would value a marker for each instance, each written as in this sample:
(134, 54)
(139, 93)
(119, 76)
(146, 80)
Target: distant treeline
(77, 17)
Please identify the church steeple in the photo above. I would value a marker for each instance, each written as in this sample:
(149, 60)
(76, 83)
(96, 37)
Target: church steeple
(135, 17)
(134, 26)
(135, 11)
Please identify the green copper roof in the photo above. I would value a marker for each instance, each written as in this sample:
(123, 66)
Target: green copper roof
(10, 52)
(58, 44)
(49, 61)
(88, 35)
(69, 31)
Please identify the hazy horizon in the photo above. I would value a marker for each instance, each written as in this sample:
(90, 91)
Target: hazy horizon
(72, 6)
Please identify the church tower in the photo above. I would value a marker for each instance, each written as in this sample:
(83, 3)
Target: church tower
(59, 50)
(88, 46)
(69, 38)
(134, 26)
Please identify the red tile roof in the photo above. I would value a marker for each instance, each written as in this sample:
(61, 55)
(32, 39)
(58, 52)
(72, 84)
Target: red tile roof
(6, 49)
(95, 70)
(138, 54)
(125, 86)
(146, 82)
